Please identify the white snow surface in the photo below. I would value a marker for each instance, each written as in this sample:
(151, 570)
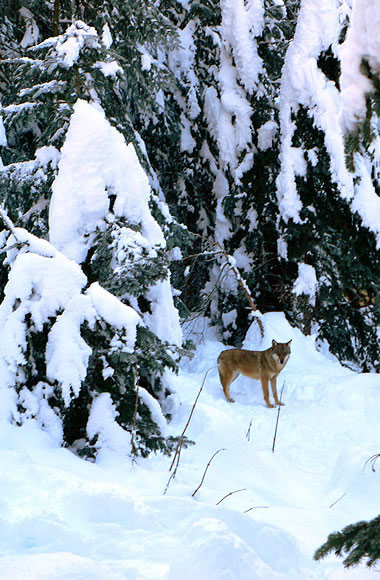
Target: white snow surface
(362, 42)
(65, 518)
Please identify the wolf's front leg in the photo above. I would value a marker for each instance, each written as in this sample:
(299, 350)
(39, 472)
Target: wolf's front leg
(273, 384)
(264, 386)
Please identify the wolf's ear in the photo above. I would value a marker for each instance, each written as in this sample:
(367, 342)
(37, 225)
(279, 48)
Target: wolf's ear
(274, 343)
(289, 341)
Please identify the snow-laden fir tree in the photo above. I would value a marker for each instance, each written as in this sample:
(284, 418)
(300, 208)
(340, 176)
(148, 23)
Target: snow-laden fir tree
(235, 120)
(70, 175)
(360, 81)
(224, 165)
(263, 170)
(329, 217)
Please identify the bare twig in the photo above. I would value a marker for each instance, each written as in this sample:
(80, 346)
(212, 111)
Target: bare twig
(177, 454)
(258, 507)
(242, 284)
(134, 449)
(11, 228)
(231, 493)
(335, 502)
(278, 417)
(205, 471)
(180, 442)
(8, 223)
(372, 460)
(248, 435)
(17, 246)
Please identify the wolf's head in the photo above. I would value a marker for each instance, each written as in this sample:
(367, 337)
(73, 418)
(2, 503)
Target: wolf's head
(281, 352)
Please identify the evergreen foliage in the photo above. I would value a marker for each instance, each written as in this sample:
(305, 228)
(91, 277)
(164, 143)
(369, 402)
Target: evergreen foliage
(343, 254)
(360, 541)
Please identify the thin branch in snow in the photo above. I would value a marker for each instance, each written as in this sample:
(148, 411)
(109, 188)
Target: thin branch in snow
(205, 471)
(248, 435)
(231, 493)
(372, 460)
(278, 417)
(258, 507)
(17, 246)
(242, 284)
(11, 228)
(134, 449)
(8, 223)
(177, 454)
(335, 502)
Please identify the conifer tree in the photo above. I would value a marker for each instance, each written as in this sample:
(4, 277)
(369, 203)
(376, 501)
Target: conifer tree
(224, 180)
(279, 198)
(63, 81)
(328, 231)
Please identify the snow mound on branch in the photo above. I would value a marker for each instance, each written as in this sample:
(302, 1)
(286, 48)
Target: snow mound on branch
(69, 45)
(114, 312)
(102, 423)
(98, 171)
(241, 23)
(43, 285)
(306, 282)
(362, 42)
(304, 83)
(67, 354)
(96, 163)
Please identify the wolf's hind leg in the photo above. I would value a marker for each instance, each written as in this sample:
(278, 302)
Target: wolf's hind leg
(226, 378)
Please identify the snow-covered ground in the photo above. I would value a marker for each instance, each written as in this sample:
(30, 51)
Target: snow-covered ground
(64, 518)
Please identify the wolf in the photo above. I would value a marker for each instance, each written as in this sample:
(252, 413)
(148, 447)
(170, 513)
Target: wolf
(263, 365)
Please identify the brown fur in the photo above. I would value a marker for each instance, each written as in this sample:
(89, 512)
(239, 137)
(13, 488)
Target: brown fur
(262, 365)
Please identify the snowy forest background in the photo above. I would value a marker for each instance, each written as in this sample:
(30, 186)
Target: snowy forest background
(156, 158)
(175, 170)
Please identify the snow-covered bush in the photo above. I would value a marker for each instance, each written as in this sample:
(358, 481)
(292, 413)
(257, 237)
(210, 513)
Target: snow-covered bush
(64, 343)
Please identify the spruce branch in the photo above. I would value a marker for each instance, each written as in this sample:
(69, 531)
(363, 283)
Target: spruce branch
(358, 541)
(205, 471)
